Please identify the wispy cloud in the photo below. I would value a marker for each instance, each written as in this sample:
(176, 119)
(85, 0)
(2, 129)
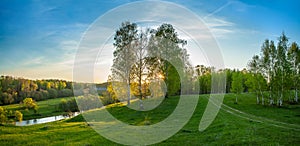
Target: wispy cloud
(34, 61)
(217, 10)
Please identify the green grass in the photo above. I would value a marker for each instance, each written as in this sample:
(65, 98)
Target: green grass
(246, 124)
(47, 108)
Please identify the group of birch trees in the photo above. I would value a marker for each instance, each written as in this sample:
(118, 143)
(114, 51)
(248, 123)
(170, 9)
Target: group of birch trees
(279, 66)
(158, 56)
(147, 61)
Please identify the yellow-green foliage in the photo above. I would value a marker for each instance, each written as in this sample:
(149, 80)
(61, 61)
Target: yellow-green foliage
(30, 104)
(3, 117)
(19, 115)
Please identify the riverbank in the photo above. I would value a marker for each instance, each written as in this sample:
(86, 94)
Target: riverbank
(47, 108)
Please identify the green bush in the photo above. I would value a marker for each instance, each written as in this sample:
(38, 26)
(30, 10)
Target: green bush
(88, 102)
(28, 103)
(52, 93)
(68, 105)
(45, 94)
(19, 115)
(3, 117)
(65, 93)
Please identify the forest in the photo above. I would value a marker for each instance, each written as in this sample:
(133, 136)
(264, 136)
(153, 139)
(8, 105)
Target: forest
(14, 90)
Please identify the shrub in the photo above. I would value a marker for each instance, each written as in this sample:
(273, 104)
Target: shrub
(37, 95)
(19, 115)
(52, 93)
(68, 105)
(88, 102)
(106, 99)
(45, 94)
(3, 117)
(65, 93)
(28, 103)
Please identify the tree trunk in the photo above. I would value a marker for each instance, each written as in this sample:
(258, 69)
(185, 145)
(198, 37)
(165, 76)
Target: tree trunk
(141, 105)
(280, 100)
(257, 99)
(296, 95)
(270, 96)
(271, 101)
(262, 97)
(128, 94)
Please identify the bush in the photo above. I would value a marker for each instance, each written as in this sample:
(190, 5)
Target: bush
(19, 115)
(68, 105)
(37, 95)
(65, 93)
(88, 102)
(52, 93)
(3, 117)
(106, 99)
(45, 94)
(28, 103)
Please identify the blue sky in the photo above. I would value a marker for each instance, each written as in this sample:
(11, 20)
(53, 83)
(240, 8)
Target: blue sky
(39, 39)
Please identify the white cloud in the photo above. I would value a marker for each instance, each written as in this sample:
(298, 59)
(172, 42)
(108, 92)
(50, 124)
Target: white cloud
(34, 61)
(67, 39)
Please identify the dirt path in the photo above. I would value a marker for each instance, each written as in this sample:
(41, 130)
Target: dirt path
(259, 119)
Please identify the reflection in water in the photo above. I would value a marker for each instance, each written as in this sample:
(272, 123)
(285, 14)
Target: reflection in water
(46, 120)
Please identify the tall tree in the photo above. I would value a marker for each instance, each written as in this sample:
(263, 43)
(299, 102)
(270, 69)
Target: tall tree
(141, 46)
(124, 54)
(237, 85)
(294, 58)
(255, 66)
(167, 56)
(282, 66)
(272, 81)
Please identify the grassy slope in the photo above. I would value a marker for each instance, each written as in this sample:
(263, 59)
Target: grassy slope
(47, 108)
(227, 129)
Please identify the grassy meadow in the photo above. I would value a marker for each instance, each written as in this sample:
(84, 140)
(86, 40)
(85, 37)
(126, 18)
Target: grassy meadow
(244, 123)
(46, 108)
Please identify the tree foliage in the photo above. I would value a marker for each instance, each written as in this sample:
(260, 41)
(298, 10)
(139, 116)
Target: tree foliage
(237, 84)
(14, 90)
(279, 66)
(148, 55)
(19, 116)
(29, 103)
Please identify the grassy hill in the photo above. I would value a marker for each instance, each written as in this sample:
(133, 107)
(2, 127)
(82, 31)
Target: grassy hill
(236, 124)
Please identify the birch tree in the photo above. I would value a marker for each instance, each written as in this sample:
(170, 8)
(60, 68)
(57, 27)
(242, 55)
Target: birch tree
(237, 85)
(294, 58)
(165, 47)
(124, 55)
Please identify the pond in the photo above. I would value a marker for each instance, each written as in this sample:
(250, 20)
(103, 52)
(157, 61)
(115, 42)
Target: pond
(46, 119)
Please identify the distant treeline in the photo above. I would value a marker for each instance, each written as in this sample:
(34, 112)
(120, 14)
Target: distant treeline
(14, 90)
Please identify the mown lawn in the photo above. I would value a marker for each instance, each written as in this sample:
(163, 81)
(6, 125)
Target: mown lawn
(246, 124)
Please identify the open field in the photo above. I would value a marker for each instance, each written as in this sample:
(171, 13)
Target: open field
(236, 124)
(47, 108)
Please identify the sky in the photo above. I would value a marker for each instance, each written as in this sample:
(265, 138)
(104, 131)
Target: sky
(39, 39)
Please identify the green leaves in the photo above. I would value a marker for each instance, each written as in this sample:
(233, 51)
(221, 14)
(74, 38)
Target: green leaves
(144, 55)
(279, 66)
(237, 83)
